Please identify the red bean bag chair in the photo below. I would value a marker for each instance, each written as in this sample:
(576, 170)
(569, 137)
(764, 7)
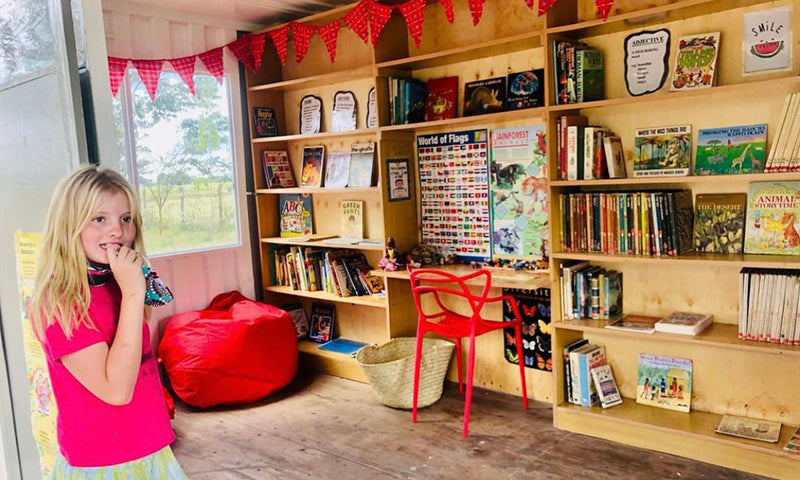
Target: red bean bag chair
(236, 350)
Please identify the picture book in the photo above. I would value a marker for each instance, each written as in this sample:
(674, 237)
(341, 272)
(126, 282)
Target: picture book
(752, 428)
(518, 190)
(696, 62)
(662, 151)
(295, 214)
(441, 97)
(299, 318)
(534, 309)
(615, 156)
(525, 89)
(664, 382)
(772, 213)
(606, 386)
(793, 444)
(362, 159)
(634, 323)
(484, 96)
(582, 362)
(352, 219)
(343, 345)
(337, 170)
(719, 222)
(414, 101)
(264, 122)
(323, 317)
(729, 150)
(684, 323)
(277, 170)
(311, 170)
(589, 83)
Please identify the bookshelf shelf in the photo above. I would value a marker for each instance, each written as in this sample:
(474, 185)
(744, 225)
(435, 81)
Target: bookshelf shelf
(686, 180)
(365, 300)
(319, 244)
(535, 115)
(315, 136)
(360, 73)
(510, 279)
(330, 362)
(710, 259)
(317, 191)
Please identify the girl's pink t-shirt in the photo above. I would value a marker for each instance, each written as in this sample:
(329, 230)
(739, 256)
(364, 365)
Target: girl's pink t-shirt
(91, 432)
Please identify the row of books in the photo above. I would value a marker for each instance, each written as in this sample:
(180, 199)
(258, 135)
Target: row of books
(590, 291)
(338, 170)
(341, 273)
(652, 223)
(784, 154)
(682, 323)
(588, 379)
(578, 70)
(587, 152)
(769, 305)
(406, 100)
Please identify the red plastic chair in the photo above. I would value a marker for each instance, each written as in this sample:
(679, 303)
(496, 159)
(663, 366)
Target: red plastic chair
(449, 289)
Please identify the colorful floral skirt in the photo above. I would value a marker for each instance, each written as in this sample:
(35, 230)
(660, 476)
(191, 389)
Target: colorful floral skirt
(160, 465)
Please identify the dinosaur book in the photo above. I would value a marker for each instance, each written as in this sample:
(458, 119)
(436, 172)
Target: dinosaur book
(484, 96)
(773, 209)
(662, 151)
(727, 150)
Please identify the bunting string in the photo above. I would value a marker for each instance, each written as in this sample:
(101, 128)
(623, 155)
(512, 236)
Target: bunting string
(367, 19)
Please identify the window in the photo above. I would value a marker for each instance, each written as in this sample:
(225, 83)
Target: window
(177, 152)
(27, 48)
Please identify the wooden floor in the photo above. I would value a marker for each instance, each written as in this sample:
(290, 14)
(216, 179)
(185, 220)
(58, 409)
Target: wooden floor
(324, 427)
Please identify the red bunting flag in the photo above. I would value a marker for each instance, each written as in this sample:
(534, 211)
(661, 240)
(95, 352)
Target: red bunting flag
(330, 35)
(249, 49)
(212, 59)
(414, 13)
(280, 38)
(116, 70)
(544, 6)
(476, 9)
(356, 19)
(529, 3)
(448, 10)
(604, 7)
(149, 71)
(378, 16)
(302, 35)
(185, 68)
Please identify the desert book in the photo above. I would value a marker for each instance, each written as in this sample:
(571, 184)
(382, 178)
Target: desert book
(277, 170)
(352, 219)
(337, 170)
(719, 222)
(362, 159)
(729, 150)
(772, 214)
(311, 169)
(441, 97)
(752, 428)
(664, 382)
(696, 62)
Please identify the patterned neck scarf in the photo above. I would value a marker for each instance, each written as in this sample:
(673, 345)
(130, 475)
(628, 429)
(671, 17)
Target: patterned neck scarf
(156, 293)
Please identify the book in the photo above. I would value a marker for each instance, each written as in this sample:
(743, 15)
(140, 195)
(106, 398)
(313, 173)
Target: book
(587, 359)
(729, 150)
(588, 75)
(793, 444)
(484, 96)
(606, 386)
(440, 98)
(323, 318)
(311, 169)
(719, 222)
(772, 212)
(634, 323)
(352, 219)
(337, 170)
(615, 156)
(362, 158)
(684, 323)
(752, 428)
(662, 151)
(696, 62)
(568, 387)
(414, 101)
(264, 122)
(343, 345)
(277, 170)
(664, 382)
(525, 89)
(299, 318)
(296, 216)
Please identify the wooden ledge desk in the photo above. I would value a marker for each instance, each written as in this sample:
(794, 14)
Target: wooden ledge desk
(501, 278)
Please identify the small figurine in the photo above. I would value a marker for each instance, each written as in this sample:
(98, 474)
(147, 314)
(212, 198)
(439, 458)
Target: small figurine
(391, 258)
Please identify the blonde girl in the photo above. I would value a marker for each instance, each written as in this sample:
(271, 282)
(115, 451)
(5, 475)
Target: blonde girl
(89, 314)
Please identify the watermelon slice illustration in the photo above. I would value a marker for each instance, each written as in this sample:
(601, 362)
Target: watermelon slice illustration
(766, 49)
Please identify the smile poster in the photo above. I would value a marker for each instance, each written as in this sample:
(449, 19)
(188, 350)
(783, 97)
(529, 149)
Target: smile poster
(767, 40)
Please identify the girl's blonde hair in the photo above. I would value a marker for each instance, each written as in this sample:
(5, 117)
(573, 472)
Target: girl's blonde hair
(61, 292)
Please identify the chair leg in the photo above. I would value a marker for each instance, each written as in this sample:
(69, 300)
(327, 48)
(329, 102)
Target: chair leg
(470, 372)
(417, 361)
(521, 362)
(458, 366)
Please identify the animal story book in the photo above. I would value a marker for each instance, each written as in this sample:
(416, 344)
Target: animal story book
(773, 209)
(727, 150)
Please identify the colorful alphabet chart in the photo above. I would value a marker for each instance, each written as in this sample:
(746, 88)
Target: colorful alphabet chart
(454, 192)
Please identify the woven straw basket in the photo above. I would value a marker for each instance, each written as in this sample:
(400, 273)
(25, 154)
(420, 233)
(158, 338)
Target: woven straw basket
(389, 368)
